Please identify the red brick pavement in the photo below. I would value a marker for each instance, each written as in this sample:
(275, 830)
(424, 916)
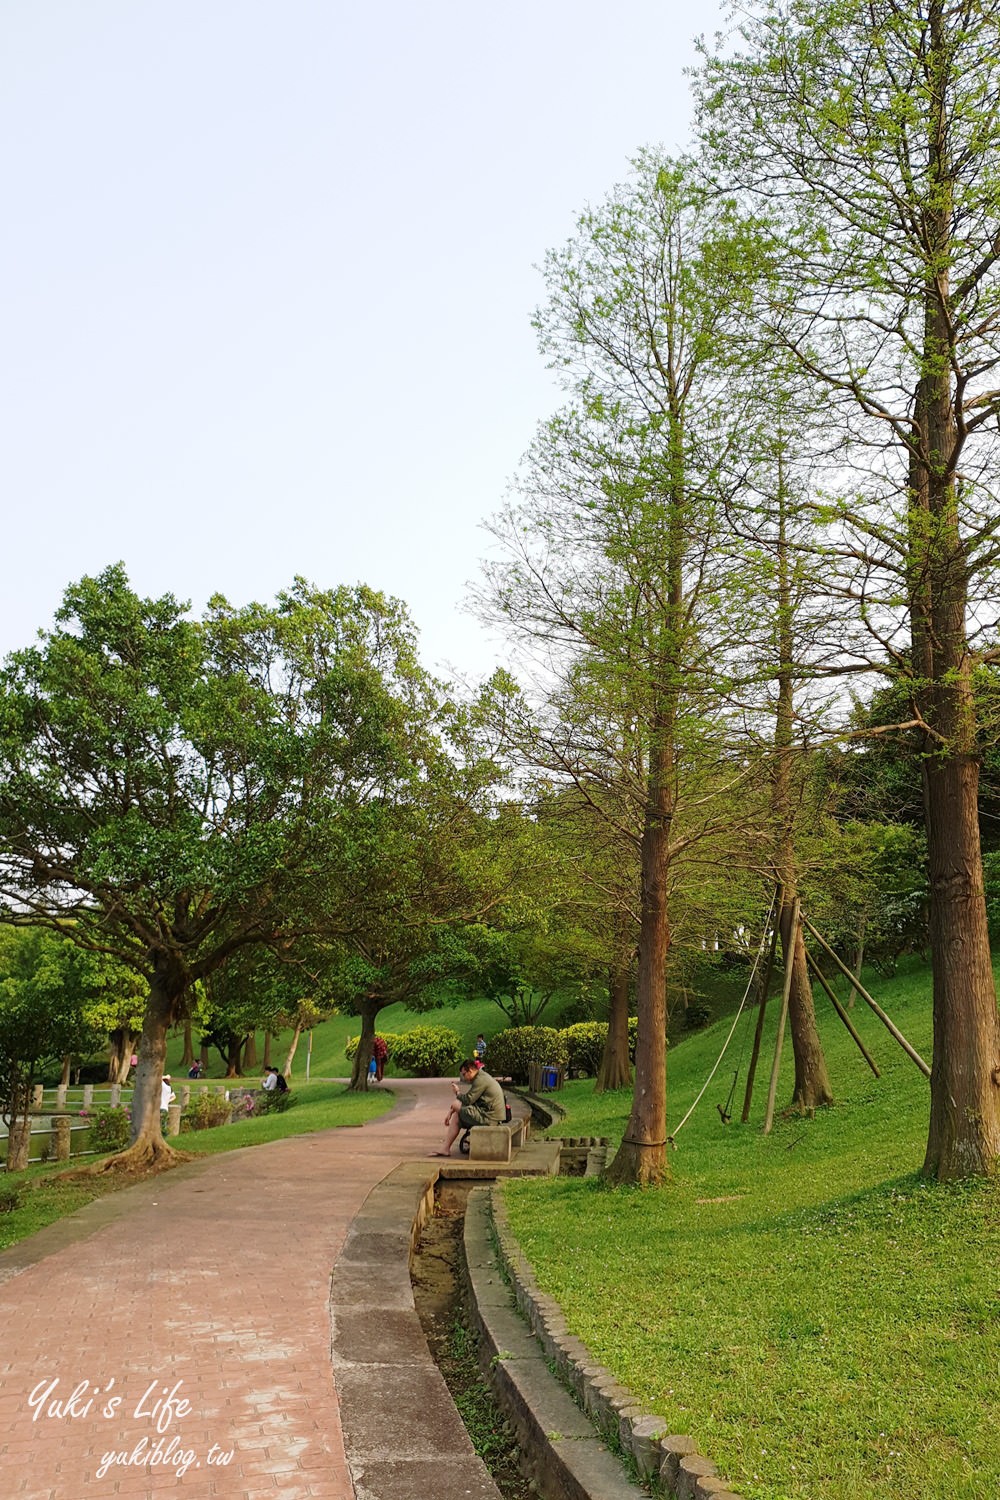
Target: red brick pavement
(209, 1288)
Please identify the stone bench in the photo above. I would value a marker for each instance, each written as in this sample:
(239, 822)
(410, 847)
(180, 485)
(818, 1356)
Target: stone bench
(489, 1143)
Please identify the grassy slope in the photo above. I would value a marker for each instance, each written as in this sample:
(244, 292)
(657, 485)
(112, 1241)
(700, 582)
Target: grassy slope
(823, 1322)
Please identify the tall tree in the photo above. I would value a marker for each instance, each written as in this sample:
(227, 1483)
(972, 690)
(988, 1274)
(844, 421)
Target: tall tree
(168, 786)
(867, 130)
(609, 566)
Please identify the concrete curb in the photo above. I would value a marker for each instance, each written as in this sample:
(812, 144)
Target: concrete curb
(669, 1463)
(403, 1435)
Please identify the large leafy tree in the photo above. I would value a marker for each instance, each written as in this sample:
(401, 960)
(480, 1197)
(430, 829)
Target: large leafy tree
(170, 786)
(867, 131)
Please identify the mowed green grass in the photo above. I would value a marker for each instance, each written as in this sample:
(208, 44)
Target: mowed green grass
(823, 1322)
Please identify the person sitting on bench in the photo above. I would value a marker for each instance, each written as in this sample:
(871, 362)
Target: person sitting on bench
(482, 1103)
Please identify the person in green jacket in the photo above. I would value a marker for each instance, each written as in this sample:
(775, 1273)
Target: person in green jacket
(482, 1103)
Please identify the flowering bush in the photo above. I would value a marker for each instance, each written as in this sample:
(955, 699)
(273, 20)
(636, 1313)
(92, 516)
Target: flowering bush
(110, 1128)
(206, 1111)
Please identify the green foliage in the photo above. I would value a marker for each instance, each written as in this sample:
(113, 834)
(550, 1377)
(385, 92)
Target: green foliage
(109, 1129)
(428, 1051)
(207, 1110)
(10, 1196)
(586, 1040)
(271, 1102)
(43, 990)
(510, 1053)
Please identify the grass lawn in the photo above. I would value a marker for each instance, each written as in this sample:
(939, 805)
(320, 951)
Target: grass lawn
(824, 1323)
(45, 1194)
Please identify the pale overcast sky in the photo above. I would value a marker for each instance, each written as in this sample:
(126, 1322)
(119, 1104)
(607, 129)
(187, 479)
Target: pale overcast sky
(268, 278)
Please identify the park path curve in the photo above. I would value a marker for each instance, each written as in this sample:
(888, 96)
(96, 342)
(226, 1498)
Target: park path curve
(210, 1286)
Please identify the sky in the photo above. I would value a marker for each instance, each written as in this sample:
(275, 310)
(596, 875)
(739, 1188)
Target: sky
(268, 271)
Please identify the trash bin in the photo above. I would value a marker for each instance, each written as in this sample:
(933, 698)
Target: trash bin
(550, 1078)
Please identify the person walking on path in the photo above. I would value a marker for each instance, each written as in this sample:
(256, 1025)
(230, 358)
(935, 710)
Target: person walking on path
(381, 1053)
(482, 1103)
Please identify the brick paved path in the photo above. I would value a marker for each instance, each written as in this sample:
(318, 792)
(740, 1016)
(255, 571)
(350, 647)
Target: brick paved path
(210, 1285)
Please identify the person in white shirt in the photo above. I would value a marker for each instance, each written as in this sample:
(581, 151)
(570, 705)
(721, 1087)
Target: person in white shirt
(167, 1095)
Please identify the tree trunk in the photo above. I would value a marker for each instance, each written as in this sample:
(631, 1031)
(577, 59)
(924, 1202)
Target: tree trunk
(18, 1143)
(67, 1064)
(287, 1069)
(615, 1071)
(859, 957)
(366, 1045)
(148, 1150)
(812, 1081)
(641, 1158)
(250, 1053)
(203, 1054)
(963, 1136)
(265, 1061)
(187, 1058)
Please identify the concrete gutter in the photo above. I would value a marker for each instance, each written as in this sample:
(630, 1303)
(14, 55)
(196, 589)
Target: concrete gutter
(524, 1339)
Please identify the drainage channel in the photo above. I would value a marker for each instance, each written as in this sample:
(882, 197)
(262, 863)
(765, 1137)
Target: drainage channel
(436, 1274)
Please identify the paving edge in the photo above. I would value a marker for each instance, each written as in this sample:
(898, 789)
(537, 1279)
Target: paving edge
(669, 1464)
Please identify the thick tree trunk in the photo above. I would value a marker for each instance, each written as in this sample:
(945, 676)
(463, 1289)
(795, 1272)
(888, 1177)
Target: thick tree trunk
(615, 1071)
(148, 1150)
(963, 1136)
(265, 1061)
(641, 1158)
(812, 1082)
(250, 1053)
(18, 1144)
(67, 1064)
(366, 1045)
(204, 1052)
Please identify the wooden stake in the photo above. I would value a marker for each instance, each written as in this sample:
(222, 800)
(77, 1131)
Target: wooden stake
(893, 1030)
(785, 995)
(764, 991)
(841, 1012)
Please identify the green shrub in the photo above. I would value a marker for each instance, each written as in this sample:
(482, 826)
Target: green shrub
(511, 1052)
(206, 1111)
(586, 1042)
(428, 1051)
(110, 1129)
(390, 1039)
(696, 1013)
(10, 1196)
(270, 1102)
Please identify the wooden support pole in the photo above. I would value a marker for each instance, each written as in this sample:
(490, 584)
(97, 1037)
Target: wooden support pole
(785, 995)
(893, 1030)
(764, 991)
(841, 1012)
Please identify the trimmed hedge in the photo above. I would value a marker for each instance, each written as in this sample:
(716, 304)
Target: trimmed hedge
(510, 1053)
(428, 1051)
(586, 1044)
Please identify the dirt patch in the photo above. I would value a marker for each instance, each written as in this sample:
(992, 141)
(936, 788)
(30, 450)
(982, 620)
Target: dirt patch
(438, 1298)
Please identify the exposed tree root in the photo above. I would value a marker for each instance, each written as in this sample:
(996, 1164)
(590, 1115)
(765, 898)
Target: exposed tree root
(144, 1159)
